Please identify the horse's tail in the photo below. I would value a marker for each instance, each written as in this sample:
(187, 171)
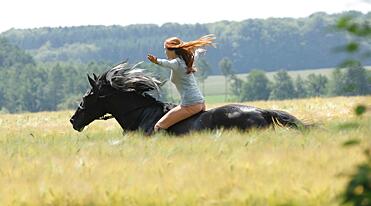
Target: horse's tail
(283, 119)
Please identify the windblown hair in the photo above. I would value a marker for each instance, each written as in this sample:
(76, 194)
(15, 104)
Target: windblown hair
(186, 50)
(124, 77)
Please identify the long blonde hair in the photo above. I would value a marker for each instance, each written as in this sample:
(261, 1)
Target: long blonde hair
(186, 50)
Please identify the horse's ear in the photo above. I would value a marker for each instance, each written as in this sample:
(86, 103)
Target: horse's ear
(93, 84)
(95, 77)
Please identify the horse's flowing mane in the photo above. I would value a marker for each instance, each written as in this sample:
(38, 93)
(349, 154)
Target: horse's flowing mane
(125, 77)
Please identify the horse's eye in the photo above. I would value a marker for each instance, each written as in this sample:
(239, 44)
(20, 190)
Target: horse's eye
(81, 106)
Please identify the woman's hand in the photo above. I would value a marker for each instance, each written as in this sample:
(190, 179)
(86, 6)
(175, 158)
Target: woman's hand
(152, 58)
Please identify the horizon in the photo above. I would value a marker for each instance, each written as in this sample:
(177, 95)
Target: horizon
(40, 14)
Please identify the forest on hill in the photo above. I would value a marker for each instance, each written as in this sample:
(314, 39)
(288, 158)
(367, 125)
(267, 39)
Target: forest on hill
(45, 69)
(267, 44)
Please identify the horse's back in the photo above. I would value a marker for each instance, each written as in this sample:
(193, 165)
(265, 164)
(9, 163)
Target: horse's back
(228, 116)
(232, 116)
(237, 116)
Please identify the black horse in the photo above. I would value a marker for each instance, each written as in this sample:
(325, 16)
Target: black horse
(128, 95)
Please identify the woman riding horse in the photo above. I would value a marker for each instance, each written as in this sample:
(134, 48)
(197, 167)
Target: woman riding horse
(180, 59)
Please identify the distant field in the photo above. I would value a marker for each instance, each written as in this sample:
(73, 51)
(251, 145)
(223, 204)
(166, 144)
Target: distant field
(214, 85)
(43, 161)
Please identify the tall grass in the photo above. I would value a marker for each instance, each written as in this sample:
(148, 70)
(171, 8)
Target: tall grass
(44, 162)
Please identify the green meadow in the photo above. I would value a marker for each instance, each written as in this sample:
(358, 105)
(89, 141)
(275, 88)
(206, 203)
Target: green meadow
(43, 161)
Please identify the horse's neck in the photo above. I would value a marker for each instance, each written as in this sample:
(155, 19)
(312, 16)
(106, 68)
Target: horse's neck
(141, 115)
(142, 119)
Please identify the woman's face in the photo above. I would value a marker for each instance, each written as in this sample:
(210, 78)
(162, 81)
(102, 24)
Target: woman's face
(170, 54)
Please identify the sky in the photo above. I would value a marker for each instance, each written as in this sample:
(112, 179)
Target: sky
(53, 13)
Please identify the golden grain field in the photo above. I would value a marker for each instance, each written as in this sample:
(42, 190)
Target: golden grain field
(43, 161)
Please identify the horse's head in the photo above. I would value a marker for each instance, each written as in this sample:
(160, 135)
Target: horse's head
(121, 89)
(90, 108)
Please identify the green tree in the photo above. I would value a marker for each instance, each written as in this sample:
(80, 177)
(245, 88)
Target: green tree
(55, 86)
(299, 84)
(256, 86)
(225, 66)
(203, 72)
(316, 85)
(236, 87)
(349, 82)
(24, 89)
(355, 81)
(282, 87)
(336, 83)
(1, 99)
(11, 55)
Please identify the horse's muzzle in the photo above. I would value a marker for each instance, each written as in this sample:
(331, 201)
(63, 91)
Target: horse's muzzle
(75, 127)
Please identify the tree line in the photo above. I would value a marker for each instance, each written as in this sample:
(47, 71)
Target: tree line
(53, 86)
(267, 44)
(351, 81)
